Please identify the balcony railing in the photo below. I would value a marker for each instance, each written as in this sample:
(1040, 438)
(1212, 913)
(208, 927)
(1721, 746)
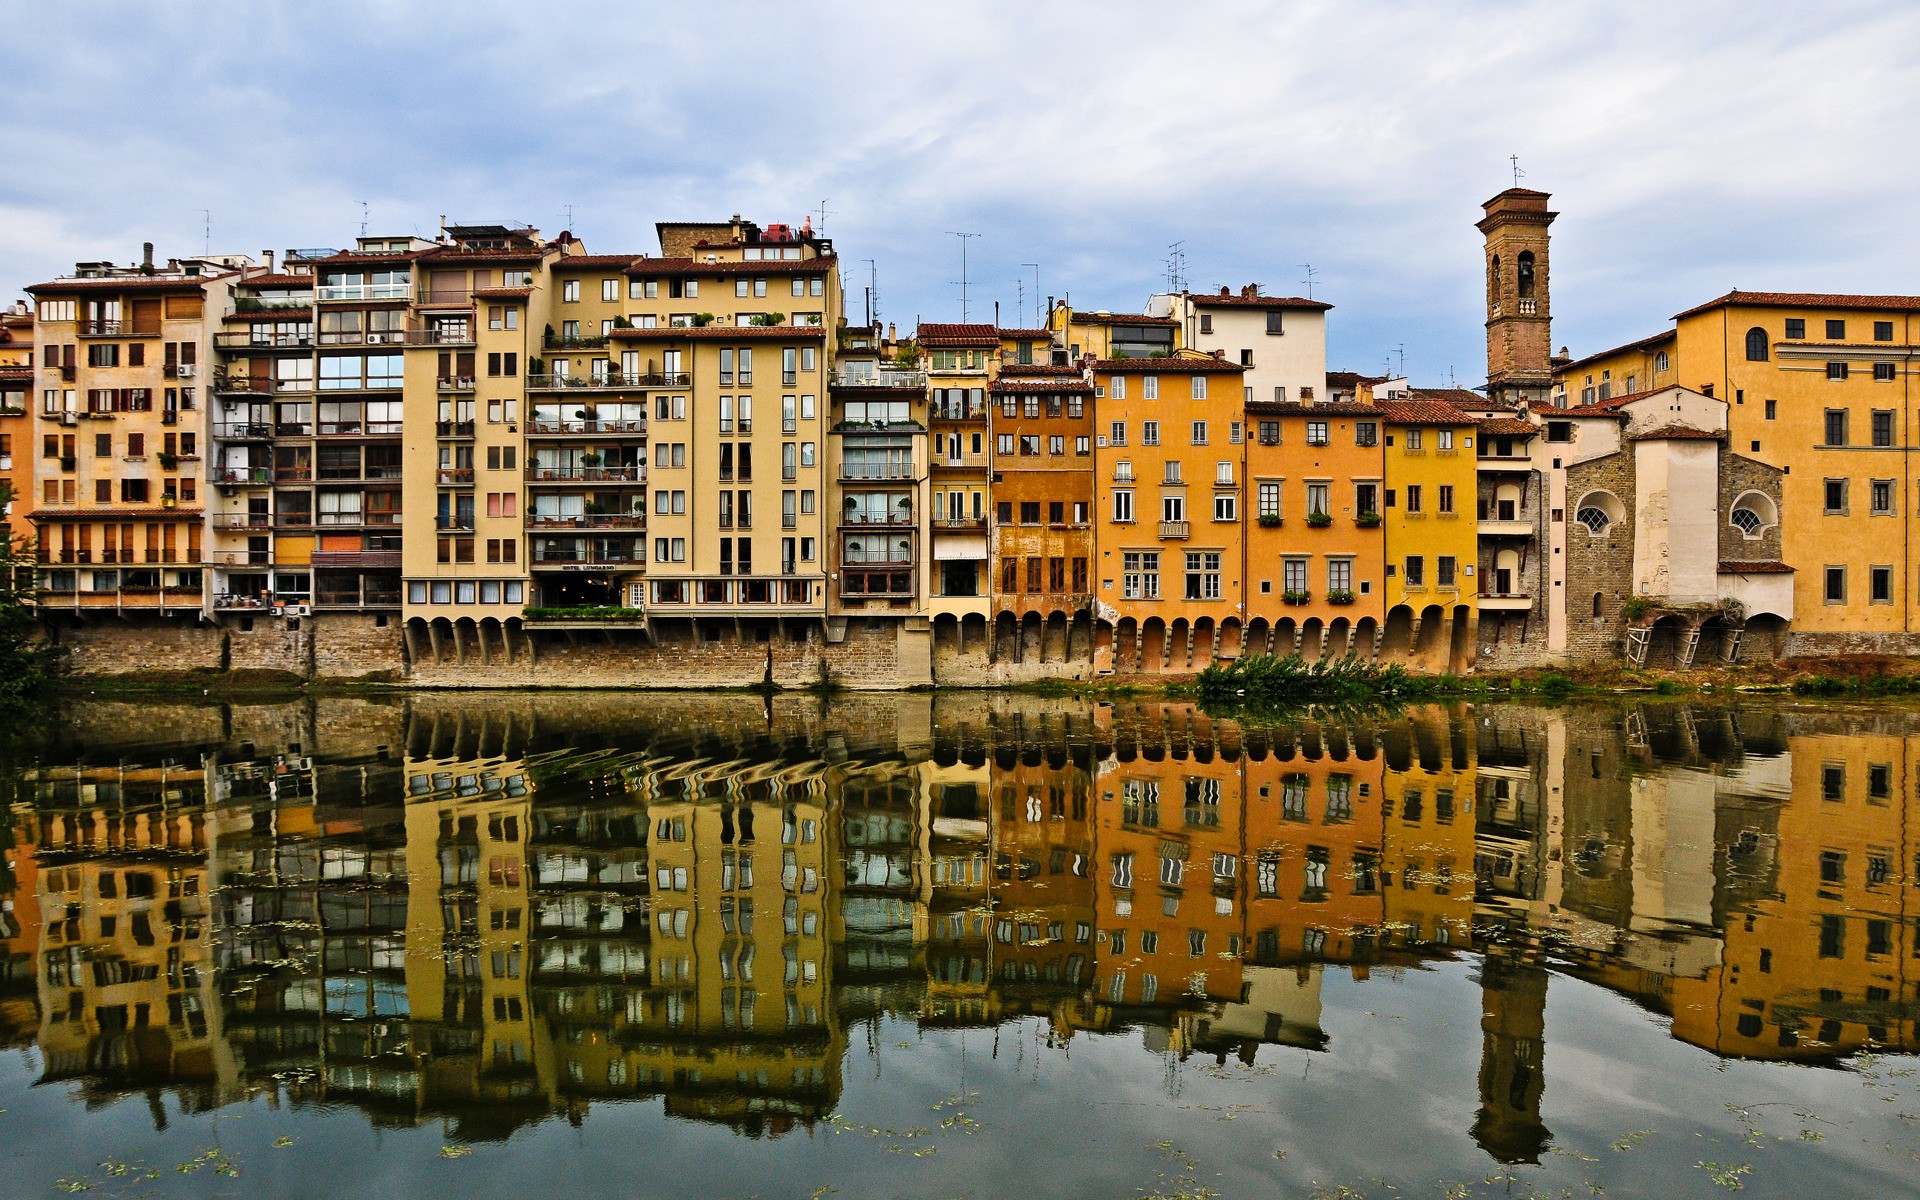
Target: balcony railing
(363, 337)
(364, 291)
(359, 428)
(538, 523)
(550, 556)
(861, 471)
(554, 341)
(1174, 529)
(456, 475)
(262, 340)
(588, 427)
(456, 383)
(238, 475)
(960, 524)
(453, 429)
(586, 475)
(609, 381)
(356, 558)
(117, 329)
(885, 377)
(256, 385)
(440, 335)
(260, 521)
(244, 431)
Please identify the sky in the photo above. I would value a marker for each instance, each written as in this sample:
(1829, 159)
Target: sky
(1690, 148)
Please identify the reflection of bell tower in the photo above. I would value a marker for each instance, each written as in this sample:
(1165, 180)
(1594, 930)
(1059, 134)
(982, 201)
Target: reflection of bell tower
(1512, 1024)
(1519, 312)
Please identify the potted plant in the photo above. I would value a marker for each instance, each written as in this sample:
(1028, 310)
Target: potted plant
(1367, 520)
(700, 319)
(1292, 596)
(1339, 596)
(622, 323)
(1319, 520)
(1269, 520)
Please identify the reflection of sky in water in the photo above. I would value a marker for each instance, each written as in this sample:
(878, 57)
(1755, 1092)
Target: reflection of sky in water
(1655, 883)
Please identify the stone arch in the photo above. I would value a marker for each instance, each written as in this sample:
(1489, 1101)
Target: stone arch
(973, 632)
(1764, 638)
(1398, 642)
(1430, 644)
(1006, 636)
(1080, 637)
(1153, 644)
(444, 647)
(1366, 632)
(1286, 637)
(419, 640)
(1030, 647)
(1201, 655)
(1460, 651)
(1053, 638)
(1507, 501)
(1339, 638)
(1259, 636)
(1126, 644)
(1179, 645)
(1665, 638)
(513, 631)
(1232, 638)
(1507, 578)
(946, 633)
(490, 638)
(1313, 643)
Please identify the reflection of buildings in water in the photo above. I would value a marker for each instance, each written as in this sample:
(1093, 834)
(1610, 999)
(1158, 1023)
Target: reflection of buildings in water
(125, 979)
(530, 934)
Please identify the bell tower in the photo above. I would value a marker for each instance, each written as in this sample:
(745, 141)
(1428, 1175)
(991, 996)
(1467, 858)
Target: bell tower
(1519, 305)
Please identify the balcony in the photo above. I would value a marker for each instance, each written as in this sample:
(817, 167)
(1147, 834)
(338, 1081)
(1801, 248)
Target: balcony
(582, 618)
(369, 596)
(610, 381)
(293, 473)
(117, 329)
(554, 341)
(364, 291)
(244, 431)
(1505, 601)
(453, 429)
(1504, 462)
(262, 340)
(368, 337)
(856, 472)
(445, 296)
(454, 477)
(293, 520)
(234, 476)
(381, 559)
(456, 383)
(589, 427)
(256, 385)
(594, 553)
(885, 377)
(1508, 527)
(960, 524)
(864, 581)
(360, 428)
(1176, 530)
(586, 475)
(261, 522)
(440, 335)
(537, 523)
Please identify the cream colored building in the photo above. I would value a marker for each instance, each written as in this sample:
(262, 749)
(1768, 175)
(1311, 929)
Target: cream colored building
(1280, 340)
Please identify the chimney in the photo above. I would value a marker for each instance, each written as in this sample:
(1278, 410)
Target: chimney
(890, 334)
(146, 256)
(266, 256)
(1224, 291)
(443, 228)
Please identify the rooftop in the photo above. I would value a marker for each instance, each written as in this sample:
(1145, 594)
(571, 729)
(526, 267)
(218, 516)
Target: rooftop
(1737, 298)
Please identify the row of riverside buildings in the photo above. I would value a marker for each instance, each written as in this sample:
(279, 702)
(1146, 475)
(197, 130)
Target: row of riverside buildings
(441, 459)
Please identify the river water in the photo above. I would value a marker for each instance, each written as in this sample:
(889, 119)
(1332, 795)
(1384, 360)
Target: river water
(957, 946)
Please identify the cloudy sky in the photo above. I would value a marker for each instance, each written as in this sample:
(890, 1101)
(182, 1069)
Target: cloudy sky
(1690, 147)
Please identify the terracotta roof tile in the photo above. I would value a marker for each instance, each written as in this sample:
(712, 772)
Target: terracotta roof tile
(126, 283)
(1677, 433)
(1166, 366)
(103, 514)
(687, 266)
(502, 293)
(1016, 369)
(1235, 300)
(1019, 334)
(1802, 300)
(1025, 387)
(1755, 568)
(1642, 344)
(589, 261)
(1352, 379)
(957, 335)
(278, 279)
(1423, 412)
(1293, 408)
(1509, 427)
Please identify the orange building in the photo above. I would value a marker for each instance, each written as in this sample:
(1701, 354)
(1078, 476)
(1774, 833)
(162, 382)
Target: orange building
(16, 390)
(1043, 899)
(1170, 465)
(1315, 543)
(1043, 495)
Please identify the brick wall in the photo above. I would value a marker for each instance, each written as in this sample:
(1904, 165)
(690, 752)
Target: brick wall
(1600, 563)
(1739, 475)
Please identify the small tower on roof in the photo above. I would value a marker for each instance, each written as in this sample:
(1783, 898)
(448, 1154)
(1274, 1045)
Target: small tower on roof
(1519, 304)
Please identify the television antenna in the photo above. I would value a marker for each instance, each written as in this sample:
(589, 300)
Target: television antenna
(1518, 174)
(1036, 294)
(1311, 271)
(1177, 267)
(824, 214)
(964, 237)
(569, 225)
(206, 215)
(873, 291)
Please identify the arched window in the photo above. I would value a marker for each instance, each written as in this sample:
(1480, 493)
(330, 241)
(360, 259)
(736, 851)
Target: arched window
(1660, 361)
(1526, 273)
(1756, 344)
(1596, 604)
(1753, 514)
(1493, 278)
(1598, 511)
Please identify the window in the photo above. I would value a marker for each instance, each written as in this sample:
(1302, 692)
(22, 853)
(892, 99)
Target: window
(1274, 317)
(1836, 427)
(1316, 433)
(1149, 433)
(1756, 344)
(1747, 521)
(1413, 498)
(1836, 498)
(1319, 499)
(1199, 433)
(1173, 508)
(1446, 497)
(1836, 585)
(1150, 387)
(1117, 433)
(1883, 372)
(1836, 371)
(1199, 389)
(1118, 388)
(1443, 571)
(1880, 585)
(1796, 328)
(1415, 571)
(1203, 575)
(1882, 427)
(1123, 507)
(1883, 331)
(1446, 439)
(1269, 433)
(1140, 576)
(1880, 495)
(1836, 329)
(1226, 507)
(1594, 518)
(1268, 499)
(570, 291)
(1366, 433)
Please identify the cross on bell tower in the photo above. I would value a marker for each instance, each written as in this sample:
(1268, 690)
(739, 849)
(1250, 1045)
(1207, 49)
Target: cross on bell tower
(1519, 309)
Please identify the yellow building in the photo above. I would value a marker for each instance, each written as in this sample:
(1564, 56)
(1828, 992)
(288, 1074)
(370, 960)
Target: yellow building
(1432, 534)
(1816, 385)
(16, 427)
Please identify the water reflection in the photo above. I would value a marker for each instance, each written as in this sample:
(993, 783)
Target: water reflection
(493, 911)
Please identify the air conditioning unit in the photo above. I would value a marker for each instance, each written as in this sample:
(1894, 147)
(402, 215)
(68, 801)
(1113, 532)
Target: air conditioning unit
(279, 610)
(299, 610)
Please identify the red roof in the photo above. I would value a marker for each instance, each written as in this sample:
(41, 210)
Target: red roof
(125, 283)
(1423, 412)
(1166, 366)
(1457, 397)
(279, 279)
(1351, 380)
(1755, 568)
(1025, 387)
(1802, 300)
(1642, 344)
(1293, 408)
(1677, 433)
(1026, 333)
(957, 335)
(595, 260)
(1225, 299)
(102, 514)
(1014, 369)
(502, 293)
(1508, 427)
